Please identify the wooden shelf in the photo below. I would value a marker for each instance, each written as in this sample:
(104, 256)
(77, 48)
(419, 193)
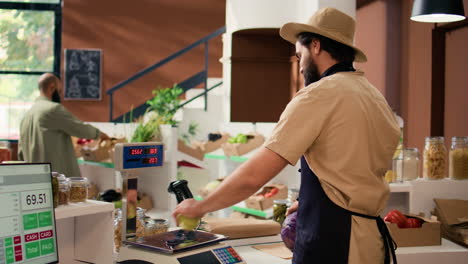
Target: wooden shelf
(80, 209)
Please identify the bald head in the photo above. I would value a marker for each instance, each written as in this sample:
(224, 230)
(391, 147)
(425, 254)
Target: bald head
(46, 80)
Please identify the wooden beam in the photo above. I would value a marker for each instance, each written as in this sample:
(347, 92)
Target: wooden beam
(438, 82)
(361, 3)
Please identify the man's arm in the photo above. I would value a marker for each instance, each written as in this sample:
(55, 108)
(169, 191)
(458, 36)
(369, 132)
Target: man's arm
(62, 119)
(242, 183)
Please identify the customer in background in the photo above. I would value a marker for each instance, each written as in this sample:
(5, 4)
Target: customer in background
(46, 130)
(344, 133)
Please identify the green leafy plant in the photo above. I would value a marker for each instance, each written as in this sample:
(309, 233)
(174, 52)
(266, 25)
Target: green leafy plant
(165, 103)
(162, 108)
(147, 131)
(191, 132)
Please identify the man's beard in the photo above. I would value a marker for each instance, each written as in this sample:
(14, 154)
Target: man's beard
(311, 73)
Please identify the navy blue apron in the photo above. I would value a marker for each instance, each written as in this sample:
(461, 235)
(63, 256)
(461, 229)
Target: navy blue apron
(324, 228)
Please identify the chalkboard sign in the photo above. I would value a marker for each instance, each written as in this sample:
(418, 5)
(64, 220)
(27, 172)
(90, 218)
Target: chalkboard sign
(82, 74)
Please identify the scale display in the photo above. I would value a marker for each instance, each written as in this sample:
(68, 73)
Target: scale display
(27, 220)
(142, 156)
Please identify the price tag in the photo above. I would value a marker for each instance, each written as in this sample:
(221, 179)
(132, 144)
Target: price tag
(36, 199)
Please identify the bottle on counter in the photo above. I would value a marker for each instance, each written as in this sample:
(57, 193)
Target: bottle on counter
(458, 158)
(78, 189)
(435, 153)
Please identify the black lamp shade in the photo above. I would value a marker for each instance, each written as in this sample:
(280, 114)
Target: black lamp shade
(437, 11)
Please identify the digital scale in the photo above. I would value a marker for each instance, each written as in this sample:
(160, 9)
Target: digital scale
(27, 219)
(173, 247)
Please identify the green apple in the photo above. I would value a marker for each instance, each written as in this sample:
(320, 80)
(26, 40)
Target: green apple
(188, 223)
(241, 138)
(212, 185)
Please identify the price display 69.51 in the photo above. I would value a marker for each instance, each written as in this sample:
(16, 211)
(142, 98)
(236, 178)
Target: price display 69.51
(36, 199)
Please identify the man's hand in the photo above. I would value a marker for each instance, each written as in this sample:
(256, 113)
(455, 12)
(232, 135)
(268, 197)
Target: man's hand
(190, 208)
(293, 208)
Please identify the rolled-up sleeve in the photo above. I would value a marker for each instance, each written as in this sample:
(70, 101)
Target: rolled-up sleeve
(61, 119)
(301, 123)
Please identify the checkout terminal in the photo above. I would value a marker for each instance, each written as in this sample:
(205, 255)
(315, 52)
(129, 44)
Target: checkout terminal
(27, 220)
(173, 247)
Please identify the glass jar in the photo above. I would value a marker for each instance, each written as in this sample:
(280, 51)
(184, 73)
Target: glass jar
(55, 188)
(78, 189)
(156, 226)
(64, 190)
(118, 229)
(397, 167)
(411, 164)
(458, 158)
(434, 167)
(140, 222)
(293, 194)
(279, 210)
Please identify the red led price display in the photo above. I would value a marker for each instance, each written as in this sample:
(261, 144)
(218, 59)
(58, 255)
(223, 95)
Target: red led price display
(143, 151)
(150, 160)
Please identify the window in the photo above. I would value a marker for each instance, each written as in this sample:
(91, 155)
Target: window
(30, 44)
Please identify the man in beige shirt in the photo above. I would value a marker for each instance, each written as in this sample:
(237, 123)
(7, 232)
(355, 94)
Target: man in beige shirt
(46, 130)
(344, 133)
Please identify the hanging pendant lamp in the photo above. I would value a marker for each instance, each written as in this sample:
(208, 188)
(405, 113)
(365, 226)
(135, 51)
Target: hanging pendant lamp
(437, 11)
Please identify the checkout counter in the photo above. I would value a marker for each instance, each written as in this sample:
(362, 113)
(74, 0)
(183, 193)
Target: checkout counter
(176, 246)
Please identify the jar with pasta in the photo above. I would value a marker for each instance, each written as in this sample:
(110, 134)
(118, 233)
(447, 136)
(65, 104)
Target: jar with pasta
(117, 229)
(458, 158)
(434, 166)
(140, 222)
(78, 189)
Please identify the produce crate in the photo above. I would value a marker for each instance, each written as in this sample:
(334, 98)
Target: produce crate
(238, 149)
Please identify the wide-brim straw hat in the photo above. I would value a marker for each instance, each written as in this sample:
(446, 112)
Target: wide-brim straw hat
(328, 22)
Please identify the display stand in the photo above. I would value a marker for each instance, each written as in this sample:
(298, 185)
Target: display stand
(85, 232)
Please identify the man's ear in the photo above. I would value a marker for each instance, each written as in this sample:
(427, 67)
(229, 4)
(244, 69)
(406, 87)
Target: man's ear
(314, 47)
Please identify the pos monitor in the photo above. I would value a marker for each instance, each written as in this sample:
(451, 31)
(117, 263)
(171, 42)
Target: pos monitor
(27, 220)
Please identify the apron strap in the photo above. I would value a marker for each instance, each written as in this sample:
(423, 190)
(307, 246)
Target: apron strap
(388, 241)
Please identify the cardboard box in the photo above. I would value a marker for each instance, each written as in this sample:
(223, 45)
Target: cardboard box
(210, 146)
(239, 149)
(453, 215)
(260, 202)
(195, 152)
(427, 235)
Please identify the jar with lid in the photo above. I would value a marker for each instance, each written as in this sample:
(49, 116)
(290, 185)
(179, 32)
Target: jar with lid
(64, 190)
(140, 222)
(458, 158)
(279, 210)
(118, 229)
(410, 164)
(434, 166)
(156, 226)
(78, 189)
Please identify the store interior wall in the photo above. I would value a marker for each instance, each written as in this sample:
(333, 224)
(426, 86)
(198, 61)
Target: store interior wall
(129, 44)
(134, 35)
(406, 82)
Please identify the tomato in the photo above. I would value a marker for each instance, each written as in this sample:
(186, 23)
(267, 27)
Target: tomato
(413, 223)
(396, 217)
(272, 192)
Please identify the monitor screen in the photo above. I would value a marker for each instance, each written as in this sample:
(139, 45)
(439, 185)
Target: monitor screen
(27, 220)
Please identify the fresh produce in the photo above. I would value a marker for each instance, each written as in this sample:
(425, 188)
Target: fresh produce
(240, 138)
(413, 223)
(401, 220)
(396, 217)
(212, 185)
(271, 192)
(187, 223)
(288, 231)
